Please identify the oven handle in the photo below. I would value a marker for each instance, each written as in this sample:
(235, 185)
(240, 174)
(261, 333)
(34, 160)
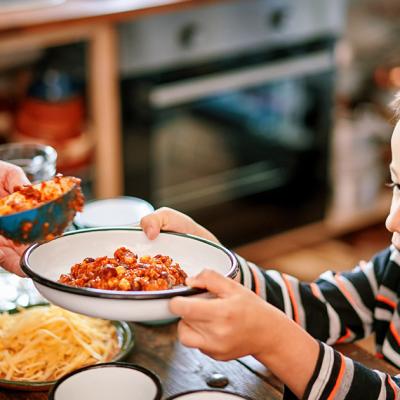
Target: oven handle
(173, 94)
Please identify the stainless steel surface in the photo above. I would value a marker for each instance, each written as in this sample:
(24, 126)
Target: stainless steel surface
(213, 31)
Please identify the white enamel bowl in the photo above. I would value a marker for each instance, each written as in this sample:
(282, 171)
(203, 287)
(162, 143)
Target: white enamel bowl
(45, 262)
(116, 381)
(208, 394)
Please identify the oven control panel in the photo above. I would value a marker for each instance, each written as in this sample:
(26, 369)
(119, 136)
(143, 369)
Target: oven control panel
(199, 33)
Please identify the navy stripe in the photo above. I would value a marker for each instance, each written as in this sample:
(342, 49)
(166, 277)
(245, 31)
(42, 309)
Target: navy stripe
(339, 302)
(316, 314)
(366, 384)
(274, 292)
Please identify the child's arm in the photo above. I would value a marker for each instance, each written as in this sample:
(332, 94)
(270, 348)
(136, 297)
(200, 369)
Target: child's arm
(336, 307)
(237, 323)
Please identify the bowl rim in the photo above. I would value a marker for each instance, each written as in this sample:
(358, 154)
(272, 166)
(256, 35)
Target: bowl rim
(156, 380)
(177, 395)
(117, 294)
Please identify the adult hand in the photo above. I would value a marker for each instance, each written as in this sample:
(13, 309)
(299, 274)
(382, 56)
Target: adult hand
(10, 177)
(168, 219)
(10, 253)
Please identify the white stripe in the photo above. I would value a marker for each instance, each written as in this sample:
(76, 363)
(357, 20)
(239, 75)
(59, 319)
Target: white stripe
(334, 321)
(382, 392)
(395, 255)
(276, 276)
(388, 293)
(261, 280)
(369, 272)
(324, 373)
(390, 353)
(246, 274)
(347, 379)
(359, 307)
(383, 315)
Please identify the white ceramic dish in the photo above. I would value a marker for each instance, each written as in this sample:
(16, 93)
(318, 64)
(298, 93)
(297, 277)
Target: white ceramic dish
(118, 211)
(208, 394)
(116, 381)
(45, 262)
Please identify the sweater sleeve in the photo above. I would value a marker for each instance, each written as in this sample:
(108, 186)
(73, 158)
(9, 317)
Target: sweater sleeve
(336, 308)
(337, 377)
(341, 307)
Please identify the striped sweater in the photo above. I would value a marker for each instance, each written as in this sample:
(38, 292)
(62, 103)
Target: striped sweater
(338, 308)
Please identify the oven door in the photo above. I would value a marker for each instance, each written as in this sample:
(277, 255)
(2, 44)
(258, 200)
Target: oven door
(248, 145)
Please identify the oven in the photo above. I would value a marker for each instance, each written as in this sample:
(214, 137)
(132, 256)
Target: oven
(227, 113)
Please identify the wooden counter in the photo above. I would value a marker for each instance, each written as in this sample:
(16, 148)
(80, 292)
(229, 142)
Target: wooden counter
(181, 368)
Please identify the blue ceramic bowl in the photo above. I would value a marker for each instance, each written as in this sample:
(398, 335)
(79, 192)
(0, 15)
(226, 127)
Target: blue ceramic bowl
(44, 222)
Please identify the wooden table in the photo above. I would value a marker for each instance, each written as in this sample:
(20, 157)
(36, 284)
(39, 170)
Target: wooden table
(93, 22)
(181, 368)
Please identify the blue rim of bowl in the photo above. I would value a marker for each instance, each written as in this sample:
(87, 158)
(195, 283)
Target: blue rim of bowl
(176, 396)
(117, 294)
(146, 371)
(126, 341)
(79, 225)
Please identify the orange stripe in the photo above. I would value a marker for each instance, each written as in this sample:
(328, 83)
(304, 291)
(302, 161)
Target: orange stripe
(392, 385)
(256, 281)
(339, 378)
(344, 290)
(385, 300)
(292, 298)
(344, 337)
(394, 332)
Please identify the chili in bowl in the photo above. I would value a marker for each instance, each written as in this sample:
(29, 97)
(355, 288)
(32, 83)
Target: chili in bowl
(119, 274)
(41, 211)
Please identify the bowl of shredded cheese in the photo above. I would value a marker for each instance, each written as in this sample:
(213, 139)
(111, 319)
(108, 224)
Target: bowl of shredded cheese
(41, 343)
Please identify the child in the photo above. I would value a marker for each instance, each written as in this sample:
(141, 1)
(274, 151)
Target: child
(291, 332)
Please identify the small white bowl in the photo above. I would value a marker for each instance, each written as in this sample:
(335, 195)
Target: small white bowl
(116, 381)
(208, 394)
(45, 262)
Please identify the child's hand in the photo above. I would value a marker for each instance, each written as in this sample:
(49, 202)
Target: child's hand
(238, 323)
(168, 219)
(235, 324)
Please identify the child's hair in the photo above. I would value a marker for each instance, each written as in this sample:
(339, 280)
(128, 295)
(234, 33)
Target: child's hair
(396, 105)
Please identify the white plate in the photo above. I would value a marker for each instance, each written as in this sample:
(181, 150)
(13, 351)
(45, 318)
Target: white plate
(45, 262)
